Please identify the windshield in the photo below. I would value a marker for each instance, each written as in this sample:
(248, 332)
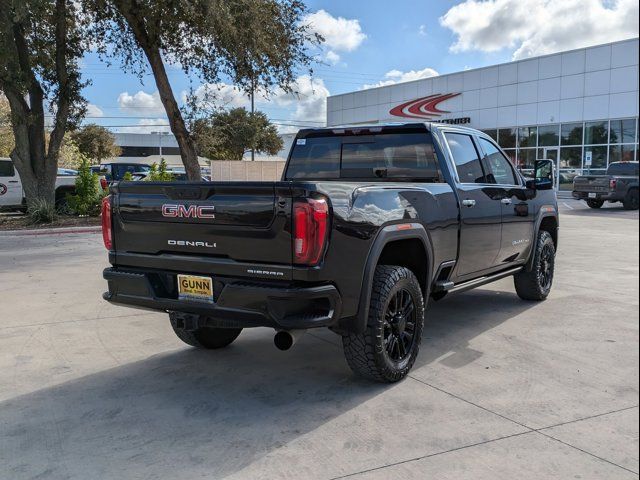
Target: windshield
(383, 155)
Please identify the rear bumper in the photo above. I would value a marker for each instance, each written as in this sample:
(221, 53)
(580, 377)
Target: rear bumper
(238, 303)
(610, 196)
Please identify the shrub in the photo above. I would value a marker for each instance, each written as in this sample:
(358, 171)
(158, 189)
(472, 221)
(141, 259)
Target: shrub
(86, 200)
(127, 177)
(159, 173)
(41, 211)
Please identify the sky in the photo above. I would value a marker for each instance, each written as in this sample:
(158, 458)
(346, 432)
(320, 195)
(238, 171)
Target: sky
(377, 42)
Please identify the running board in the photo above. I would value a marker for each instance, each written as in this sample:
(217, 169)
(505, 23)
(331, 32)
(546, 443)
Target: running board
(478, 282)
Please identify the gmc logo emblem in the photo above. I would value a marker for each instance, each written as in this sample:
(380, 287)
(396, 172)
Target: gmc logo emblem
(192, 211)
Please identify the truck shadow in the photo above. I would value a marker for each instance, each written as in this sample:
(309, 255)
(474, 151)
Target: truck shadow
(191, 413)
(452, 323)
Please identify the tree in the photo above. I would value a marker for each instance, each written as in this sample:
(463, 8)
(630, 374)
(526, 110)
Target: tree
(95, 142)
(228, 135)
(258, 44)
(6, 135)
(40, 46)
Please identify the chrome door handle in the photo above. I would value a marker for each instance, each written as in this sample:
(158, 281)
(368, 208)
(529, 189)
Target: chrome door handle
(469, 203)
(506, 201)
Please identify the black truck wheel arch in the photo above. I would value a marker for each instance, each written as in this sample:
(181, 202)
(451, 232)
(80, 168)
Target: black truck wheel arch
(387, 235)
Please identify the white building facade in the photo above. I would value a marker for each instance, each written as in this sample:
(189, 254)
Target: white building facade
(579, 108)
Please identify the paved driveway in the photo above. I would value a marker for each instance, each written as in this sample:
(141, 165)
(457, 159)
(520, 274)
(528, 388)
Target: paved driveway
(502, 389)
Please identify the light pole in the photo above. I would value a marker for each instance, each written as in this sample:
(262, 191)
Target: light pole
(160, 134)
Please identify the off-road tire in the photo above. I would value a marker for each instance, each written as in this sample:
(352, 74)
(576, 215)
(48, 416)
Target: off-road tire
(207, 337)
(595, 204)
(365, 352)
(530, 284)
(631, 200)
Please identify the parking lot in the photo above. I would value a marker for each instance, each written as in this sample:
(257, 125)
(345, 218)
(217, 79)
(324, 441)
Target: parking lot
(502, 388)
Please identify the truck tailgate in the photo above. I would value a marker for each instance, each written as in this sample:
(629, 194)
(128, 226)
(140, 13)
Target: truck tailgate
(236, 221)
(591, 183)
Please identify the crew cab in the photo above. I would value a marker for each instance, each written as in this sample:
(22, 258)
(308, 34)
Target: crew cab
(12, 193)
(367, 224)
(619, 184)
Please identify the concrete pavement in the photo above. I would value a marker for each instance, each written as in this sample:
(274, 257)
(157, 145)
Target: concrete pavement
(502, 388)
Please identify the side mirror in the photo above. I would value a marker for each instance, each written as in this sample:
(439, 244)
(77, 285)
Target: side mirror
(544, 176)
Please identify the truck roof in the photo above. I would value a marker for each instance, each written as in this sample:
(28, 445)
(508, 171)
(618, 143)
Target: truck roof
(387, 125)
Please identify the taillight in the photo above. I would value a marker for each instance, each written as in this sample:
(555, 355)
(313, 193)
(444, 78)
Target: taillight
(310, 228)
(613, 184)
(104, 184)
(107, 234)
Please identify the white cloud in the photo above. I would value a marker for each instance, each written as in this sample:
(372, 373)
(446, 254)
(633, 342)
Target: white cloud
(422, 30)
(396, 76)
(332, 57)
(340, 34)
(307, 101)
(148, 125)
(537, 27)
(94, 111)
(141, 103)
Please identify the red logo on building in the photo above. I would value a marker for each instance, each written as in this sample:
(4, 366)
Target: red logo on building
(424, 107)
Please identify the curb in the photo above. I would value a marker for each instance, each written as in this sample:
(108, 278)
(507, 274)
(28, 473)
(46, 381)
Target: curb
(50, 231)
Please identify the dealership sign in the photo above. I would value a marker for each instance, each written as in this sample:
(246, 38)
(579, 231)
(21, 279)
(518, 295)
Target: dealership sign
(427, 108)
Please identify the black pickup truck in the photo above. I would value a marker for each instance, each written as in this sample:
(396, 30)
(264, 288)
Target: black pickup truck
(366, 225)
(619, 184)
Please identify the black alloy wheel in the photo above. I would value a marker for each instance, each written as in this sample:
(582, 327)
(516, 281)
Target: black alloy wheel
(399, 326)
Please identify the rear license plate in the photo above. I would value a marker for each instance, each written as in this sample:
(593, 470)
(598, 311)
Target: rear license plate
(192, 287)
(593, 195)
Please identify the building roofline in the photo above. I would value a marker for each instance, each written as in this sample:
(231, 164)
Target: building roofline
(489, 66)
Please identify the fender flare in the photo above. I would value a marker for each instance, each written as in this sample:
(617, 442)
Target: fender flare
(546, 211)
(386, 235)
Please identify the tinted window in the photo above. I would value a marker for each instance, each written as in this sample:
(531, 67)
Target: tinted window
(497, 166)
(391, 155)
(315, 158)
(466, 158)
(384, 155)
(119, 170)
(6, 168)
(630, 169)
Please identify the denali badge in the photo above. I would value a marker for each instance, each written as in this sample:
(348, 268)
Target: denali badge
(192, 211)
(188, 243)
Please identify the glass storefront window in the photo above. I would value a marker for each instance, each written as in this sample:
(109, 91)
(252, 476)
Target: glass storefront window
(595, 133)
(548, 136)
(622, 131)
(571, 134)
(571, 157)
(622, 153)
(511, 154)
(565, 179)
(507, 137)
(527, 137)
(527, 158)
(598, 157)
(493, 133)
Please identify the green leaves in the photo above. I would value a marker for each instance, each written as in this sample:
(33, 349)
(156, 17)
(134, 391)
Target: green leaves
(228, 135)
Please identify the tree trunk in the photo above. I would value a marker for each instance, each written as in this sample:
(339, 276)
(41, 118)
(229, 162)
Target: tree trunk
(150, 47)
(178, 128)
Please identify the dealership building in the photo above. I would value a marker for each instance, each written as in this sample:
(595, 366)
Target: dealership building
(578, 108)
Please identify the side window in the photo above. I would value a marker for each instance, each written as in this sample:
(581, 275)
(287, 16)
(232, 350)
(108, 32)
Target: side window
(498, 168)
(466, 158)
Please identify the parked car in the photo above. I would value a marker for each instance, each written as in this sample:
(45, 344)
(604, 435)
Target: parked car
(12, 193)
(67, 172)
(366, 225)
(619, 184)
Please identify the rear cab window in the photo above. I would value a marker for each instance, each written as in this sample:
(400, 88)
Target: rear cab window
(385, 154)
(623, 169)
